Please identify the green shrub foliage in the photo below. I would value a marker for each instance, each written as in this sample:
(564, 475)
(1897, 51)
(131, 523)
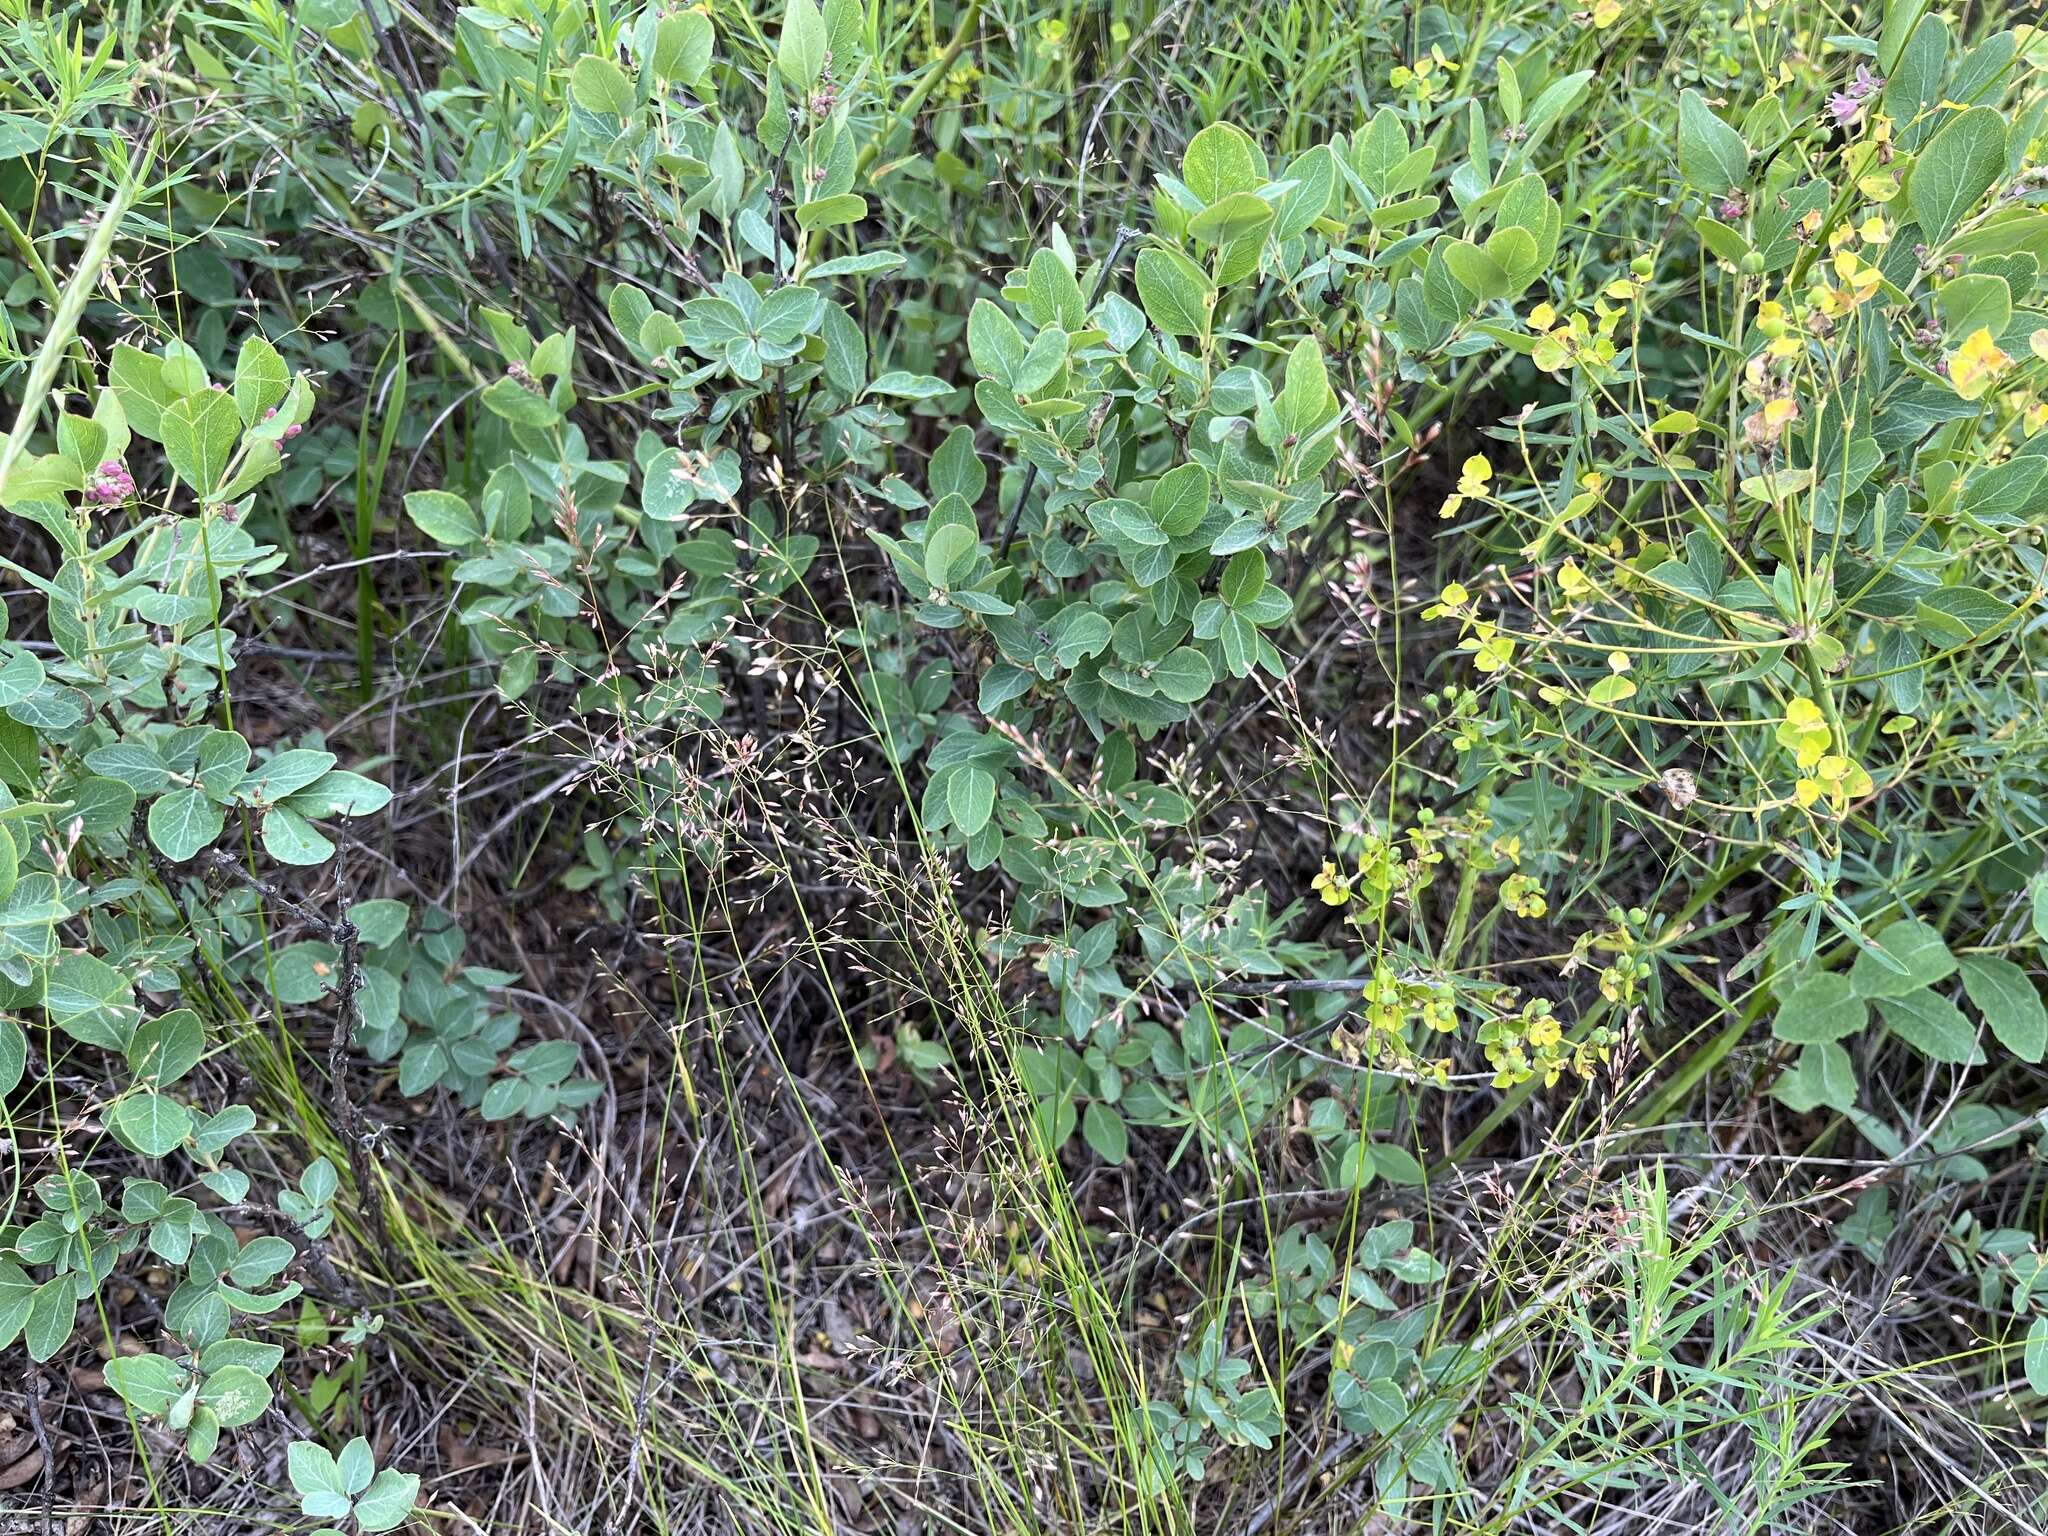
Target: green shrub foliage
(1691, 454)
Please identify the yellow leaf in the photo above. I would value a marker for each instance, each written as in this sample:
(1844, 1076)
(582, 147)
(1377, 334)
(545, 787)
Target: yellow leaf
(1976, 364)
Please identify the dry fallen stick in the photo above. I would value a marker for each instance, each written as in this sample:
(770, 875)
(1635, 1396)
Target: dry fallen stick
(355, 1134)
(32, 1393)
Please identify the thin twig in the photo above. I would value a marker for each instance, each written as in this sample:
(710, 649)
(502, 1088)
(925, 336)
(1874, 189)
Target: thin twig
(1275, 988)
(32, 1392)
(355, 1133)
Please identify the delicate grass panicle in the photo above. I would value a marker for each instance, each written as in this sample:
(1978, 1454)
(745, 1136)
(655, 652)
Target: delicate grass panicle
(797, 767)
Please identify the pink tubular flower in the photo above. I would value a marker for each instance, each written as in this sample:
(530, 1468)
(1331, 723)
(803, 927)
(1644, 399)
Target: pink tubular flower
(110, 484)
(1846, 107)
